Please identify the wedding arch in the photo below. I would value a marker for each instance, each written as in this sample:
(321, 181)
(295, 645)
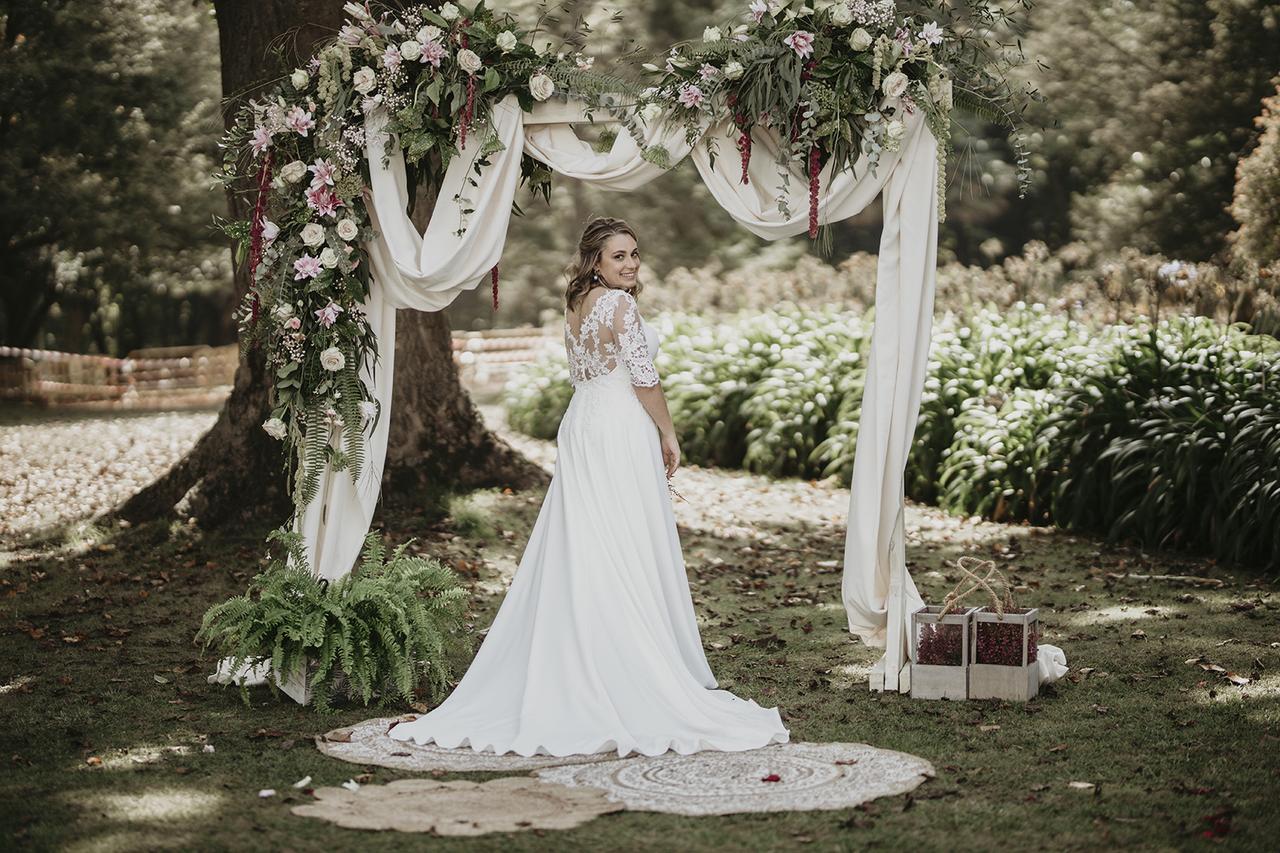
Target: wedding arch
(824, 109)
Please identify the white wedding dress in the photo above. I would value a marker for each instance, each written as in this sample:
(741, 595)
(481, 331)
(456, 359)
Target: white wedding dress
(596, 647)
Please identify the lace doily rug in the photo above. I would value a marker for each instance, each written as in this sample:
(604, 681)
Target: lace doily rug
(459, 808)
(784, 777)
(369, 743)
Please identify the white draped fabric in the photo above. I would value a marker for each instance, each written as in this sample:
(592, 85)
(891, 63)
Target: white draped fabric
(426, 272)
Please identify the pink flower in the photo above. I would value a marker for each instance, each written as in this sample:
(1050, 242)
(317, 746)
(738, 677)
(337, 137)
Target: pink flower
(323, 200)
(270, 231)
(433, 51)
(328, 315)
(351, 36)
(293, 323)
(261, 140)
(391, 58)
(299, 121)
(801, 42)
(758, 8)
(903, 37)
(707, 71)
(690, 95)
(322, 173)
(306, 267)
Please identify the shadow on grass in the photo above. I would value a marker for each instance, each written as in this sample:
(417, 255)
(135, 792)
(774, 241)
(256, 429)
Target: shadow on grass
(99, 663)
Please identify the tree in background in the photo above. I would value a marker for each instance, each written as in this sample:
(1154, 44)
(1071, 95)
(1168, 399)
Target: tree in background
(437, 438)
(1257, 196)
(108, 136)
(1154, 104)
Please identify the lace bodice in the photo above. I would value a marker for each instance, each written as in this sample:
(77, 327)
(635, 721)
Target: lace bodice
(612, 333)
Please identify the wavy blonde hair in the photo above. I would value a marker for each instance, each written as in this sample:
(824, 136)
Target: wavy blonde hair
(580, 273)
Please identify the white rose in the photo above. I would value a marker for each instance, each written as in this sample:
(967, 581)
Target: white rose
(733, 70)
(300, 78)
(284, 311)
(895, 85)
(333, 360)
(364, 80)
(449, 12)
(275, 428)
(347, 229)
(859, 39)
(368, 409)
(329, 258)
(294, 171)
(429, 33)
(541, 86)
(506, 41)
(711, 34)
(469, 61)
(650, 113)
(841, 16)
(896, 130)
(313, 234)
(411, 50)
(270, 231)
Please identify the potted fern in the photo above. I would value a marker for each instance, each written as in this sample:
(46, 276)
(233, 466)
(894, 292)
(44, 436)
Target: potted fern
(383, 630)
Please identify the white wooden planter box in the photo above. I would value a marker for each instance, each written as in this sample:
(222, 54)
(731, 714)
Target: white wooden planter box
(1019, 683)
(296, 685)
(936, 681)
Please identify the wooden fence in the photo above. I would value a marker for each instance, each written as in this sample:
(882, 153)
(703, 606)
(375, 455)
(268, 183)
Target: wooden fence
(201, 376)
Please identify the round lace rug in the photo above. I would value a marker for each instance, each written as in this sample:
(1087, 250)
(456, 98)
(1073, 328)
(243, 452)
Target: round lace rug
(459, 808)
(783, 777)
(369, 743)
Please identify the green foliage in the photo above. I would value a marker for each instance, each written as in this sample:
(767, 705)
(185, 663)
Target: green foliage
(538, 401)
(110, 118)
(383, 630)
(1170, 439)
(1167, 436)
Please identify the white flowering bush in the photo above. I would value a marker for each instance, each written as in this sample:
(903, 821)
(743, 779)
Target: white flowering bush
(1165, 434)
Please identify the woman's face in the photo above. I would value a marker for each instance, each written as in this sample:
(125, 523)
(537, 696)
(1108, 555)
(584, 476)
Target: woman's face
(619, 263)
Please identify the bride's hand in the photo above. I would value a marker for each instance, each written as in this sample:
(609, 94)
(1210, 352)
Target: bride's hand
(670, 453)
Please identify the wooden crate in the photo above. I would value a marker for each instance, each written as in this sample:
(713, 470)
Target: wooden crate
(938, 681)
(1019, 683)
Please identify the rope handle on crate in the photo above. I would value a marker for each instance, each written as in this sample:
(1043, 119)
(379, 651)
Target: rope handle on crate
(969, 568)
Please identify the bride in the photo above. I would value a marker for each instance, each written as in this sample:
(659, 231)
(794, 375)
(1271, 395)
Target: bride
(596, 647)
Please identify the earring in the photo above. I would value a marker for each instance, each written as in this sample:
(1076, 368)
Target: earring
(594, 277)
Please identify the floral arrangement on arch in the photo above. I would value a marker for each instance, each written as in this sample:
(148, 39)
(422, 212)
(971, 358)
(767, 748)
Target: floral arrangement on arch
(437, 73)
(816, 75)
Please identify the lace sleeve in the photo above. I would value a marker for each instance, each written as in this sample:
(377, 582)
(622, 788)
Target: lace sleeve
(633, 349)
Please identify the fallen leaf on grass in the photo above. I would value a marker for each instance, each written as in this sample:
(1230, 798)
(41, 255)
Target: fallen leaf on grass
(303, 782)
(1238, 680)
(1139, 634)
(93, 761)
(351, 785)
(1082, 786)
(266, 792)
(991, 728)
(159, 679)
(1062, 747)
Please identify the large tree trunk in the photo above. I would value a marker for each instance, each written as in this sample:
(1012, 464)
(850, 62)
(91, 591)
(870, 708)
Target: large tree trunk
(236, 470)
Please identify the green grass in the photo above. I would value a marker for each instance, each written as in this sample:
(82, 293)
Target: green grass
(97, 660)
